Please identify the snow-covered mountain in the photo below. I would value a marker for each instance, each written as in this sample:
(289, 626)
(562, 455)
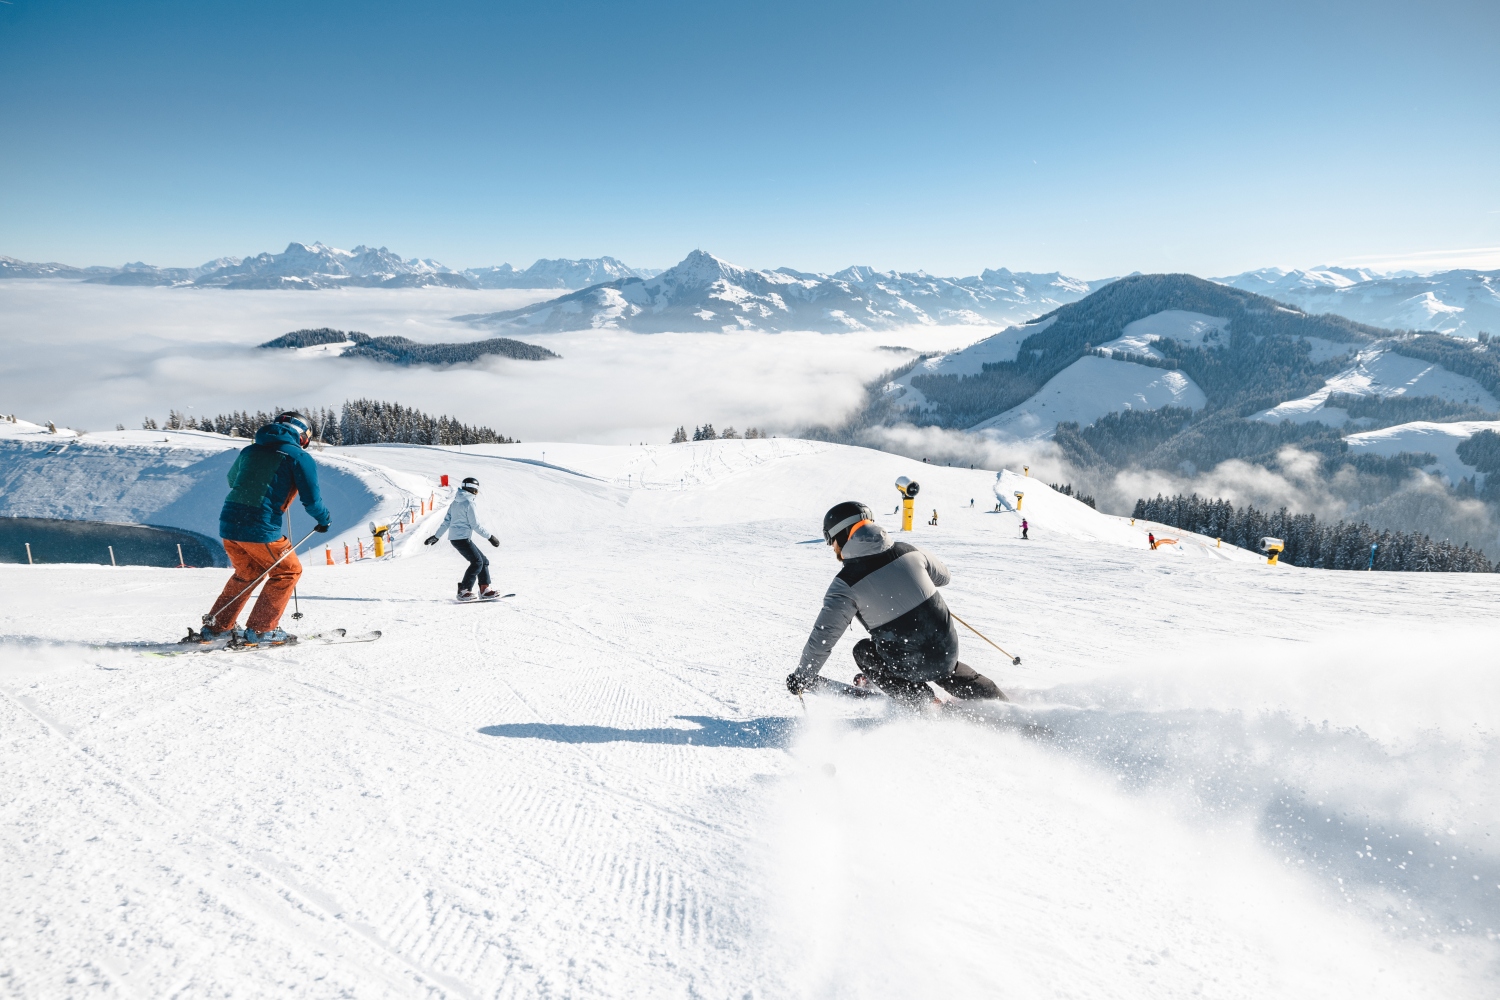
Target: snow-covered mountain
(315, 265)
(10, 267)
(1461, 303)
(560, 273)
(706, 293)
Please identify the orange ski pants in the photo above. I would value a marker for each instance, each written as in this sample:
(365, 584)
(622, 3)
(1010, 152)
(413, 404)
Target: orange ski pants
(250, 560)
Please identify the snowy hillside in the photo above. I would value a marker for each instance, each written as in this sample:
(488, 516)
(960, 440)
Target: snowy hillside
(1088, 389)
(176, 479)
(1380, 371)
(1216, 778)
(1438, 439)
(1462, 302)
(705, 293)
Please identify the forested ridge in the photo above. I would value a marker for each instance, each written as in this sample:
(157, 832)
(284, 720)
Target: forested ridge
(404, 351)
(359, 421)
(1266, 356)
(1341, 545)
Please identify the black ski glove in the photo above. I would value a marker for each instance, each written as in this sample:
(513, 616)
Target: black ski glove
(321, 529)
(431, 541)
(494, 541)
(795, 683)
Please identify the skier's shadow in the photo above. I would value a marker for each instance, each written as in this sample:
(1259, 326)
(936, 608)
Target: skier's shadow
(772, 733)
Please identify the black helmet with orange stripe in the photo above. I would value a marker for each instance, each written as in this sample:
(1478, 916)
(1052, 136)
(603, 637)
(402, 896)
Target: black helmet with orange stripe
(841, 519)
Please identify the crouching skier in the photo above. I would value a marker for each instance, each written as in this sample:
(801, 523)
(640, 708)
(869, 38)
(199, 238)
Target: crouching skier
(891, 587)
(463, 520)
(263, 481)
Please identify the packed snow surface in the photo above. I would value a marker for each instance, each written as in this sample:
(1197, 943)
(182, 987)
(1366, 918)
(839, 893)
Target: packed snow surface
(1379, 371)
(1088, 389)
(1216, 778)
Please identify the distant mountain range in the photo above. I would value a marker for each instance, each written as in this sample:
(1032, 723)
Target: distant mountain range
(707, 293)
(1462, 303)
(315, 266)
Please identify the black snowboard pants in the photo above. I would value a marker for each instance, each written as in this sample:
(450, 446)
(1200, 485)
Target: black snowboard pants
(479, 563)
(965, 682)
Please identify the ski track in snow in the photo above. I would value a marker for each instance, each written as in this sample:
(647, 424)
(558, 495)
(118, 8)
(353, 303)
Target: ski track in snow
(1217, 778)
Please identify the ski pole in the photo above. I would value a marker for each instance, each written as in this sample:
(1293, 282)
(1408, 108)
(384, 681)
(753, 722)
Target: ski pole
(296, 607)
(212, 619)
(1015, 660)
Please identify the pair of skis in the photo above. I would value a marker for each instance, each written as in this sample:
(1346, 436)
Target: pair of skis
(226, 644)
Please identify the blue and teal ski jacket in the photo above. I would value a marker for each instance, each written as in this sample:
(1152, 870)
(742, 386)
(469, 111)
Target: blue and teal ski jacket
(264, 481)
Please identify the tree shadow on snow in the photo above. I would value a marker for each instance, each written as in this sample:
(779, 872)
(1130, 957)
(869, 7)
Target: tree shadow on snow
(744, 734)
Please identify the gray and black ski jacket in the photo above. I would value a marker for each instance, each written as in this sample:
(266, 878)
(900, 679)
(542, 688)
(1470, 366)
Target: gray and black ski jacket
(892, 589)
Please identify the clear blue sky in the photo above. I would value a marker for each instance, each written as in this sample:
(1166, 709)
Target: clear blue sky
(1095, 138)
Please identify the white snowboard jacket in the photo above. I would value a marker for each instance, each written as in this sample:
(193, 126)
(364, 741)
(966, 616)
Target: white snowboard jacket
(462, 519)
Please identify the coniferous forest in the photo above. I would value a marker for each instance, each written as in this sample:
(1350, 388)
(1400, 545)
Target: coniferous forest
(1342, 545)
(360, 421)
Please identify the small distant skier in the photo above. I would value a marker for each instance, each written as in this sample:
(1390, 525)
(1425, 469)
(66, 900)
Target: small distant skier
(892, 589)
(263, 481)
(1025, 528)
(463, 520)
(1151, 540)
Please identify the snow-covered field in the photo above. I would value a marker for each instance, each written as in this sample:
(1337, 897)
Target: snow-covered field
(1217, 778)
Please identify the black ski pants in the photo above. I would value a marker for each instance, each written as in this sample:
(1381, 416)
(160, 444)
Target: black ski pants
(964, 682)
(479, 563)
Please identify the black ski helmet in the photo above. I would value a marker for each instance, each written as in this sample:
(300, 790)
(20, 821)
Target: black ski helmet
(297, 420)
(841, 517)
(471, 484)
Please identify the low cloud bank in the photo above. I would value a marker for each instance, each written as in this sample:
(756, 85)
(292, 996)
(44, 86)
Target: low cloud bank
(92, 356)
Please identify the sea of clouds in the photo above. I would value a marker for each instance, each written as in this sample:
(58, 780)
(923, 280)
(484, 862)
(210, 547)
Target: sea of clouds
(93, 356)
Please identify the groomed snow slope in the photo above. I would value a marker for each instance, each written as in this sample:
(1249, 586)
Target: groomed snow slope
(1217, 779)
(1438, 439)
(1379, 371)
(1088, 389)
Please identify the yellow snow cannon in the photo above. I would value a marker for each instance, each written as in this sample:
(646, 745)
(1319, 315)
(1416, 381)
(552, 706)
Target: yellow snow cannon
(908, 490)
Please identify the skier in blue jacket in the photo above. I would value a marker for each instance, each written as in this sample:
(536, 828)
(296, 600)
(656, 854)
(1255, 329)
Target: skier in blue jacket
(462, 524)
(264, 480)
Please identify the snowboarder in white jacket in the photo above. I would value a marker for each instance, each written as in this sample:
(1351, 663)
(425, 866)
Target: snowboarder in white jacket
(891, 587)
(462, 524)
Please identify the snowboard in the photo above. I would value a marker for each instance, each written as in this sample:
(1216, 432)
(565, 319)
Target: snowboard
(484, 600)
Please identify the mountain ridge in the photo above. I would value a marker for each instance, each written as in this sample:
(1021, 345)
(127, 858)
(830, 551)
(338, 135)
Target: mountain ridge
(705, 293)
